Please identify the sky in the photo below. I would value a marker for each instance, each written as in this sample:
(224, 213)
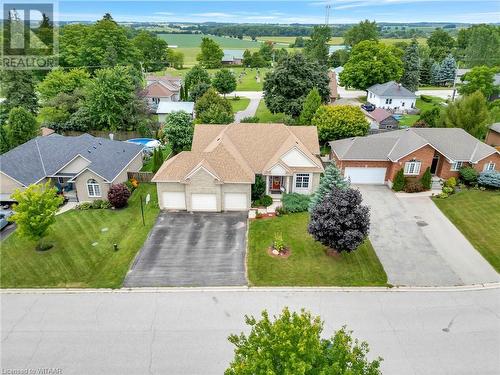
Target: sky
(285, 12)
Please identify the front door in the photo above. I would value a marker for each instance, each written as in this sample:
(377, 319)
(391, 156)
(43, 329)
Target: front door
(276, 183)
(435, 161)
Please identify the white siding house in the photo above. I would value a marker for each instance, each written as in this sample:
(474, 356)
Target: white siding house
(392, 96)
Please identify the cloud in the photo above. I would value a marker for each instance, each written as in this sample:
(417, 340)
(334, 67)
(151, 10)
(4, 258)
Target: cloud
(214, 15)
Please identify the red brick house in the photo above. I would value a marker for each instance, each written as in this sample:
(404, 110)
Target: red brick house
(377, 158)
(493, 136)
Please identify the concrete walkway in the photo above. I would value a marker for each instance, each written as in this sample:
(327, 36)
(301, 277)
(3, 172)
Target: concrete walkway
(418, 245)
(254, 96)
(184, 331)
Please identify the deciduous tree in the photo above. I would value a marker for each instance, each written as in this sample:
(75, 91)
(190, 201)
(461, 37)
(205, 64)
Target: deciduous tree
(480, 78)
(152, 50)
(211, 108)
(22, 126)
(211, 54)
(286, 87)
(224, 81)
(291, 343)
(440, 43)
(35, 211)
(340, 221)
(480, 45)
(178, 131)
(196, 75)
(18, 88)
(316, 48)
(340, 121)
(61, 81)
(365, 30)
(370, 63)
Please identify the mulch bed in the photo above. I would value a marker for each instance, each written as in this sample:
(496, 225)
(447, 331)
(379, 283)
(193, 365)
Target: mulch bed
(283, 255)
(332, 253)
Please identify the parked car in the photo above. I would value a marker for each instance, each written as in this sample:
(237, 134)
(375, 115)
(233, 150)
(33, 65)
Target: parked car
(368, 107)
(4, 216)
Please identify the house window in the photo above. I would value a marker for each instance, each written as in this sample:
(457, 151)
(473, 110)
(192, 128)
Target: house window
(489, 167)
(302, 180)
(455, 166)
(93, 188)
(412, 167)
(156, 100)
(402, 104)
(388, 101)
(60, 180)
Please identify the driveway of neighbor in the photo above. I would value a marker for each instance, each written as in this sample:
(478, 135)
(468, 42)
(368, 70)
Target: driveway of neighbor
(418, 245)
(192, 249)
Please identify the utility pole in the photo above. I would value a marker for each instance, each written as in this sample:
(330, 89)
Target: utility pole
(327, 13)
(455, 82)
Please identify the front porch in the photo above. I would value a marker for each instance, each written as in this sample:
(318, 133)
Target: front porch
(276, 186)
(66, 187)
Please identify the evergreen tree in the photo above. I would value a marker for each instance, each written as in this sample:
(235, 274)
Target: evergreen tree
(411, 66)
(4, 140)
(399, 181)
(447, 70)
(427, 179)
(426, 72)
(19, 90)
(332, 178)
(22, 126)
(311, 105)
(435, 74)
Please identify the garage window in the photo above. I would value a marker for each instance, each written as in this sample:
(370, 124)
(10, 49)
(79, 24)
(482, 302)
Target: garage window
(93, 188)
(302, 181)
(412, 167)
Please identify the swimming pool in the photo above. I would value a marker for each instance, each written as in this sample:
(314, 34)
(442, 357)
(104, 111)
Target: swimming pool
(146, 142)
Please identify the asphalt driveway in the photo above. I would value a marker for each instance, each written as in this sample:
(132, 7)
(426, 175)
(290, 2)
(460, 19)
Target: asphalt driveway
(192, 249)
(418, 245)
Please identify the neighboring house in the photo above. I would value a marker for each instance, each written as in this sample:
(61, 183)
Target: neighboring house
(377, 158)
(392, 96)
(380, 119)
(82, 167)
(233, 57)
(493, 136)
(332, 49)
(44, 132)
(162, 89)
(338, 70)
(165, 108)
(218, 173)
(334, 95)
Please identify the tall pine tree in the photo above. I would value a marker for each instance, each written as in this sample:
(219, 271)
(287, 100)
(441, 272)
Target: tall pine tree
(311, 105)
(411, 66)
(435, 74)
(447, 70)
(332, 178)
(426, 72)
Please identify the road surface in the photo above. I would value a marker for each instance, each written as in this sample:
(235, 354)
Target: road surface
(445, 94)
(184, 331)
(254, 96)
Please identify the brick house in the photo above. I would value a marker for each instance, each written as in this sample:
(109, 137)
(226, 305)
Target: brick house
(493, 136)
(377, 158)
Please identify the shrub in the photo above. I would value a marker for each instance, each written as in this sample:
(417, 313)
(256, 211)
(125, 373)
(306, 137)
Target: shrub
(468, 175)
(250, 120)
(427, 179)
(399, 181)
(105, 205)
(426, 98)
(490, 179)
(118, 195)
(339, 221)
(451, 182)
(264, 201)
(258, 187)
(84, 206)
(97, 203)
(278, 243)
(280, 211)
(447, 190)
(413, 186)
(295, 202)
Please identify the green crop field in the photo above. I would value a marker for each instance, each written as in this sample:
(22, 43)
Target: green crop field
(194, 40)
(336, 40)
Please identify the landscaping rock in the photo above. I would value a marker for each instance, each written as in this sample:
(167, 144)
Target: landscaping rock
(95, 243)
(104, 229)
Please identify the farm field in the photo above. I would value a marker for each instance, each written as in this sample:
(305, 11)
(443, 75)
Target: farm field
(336, 40)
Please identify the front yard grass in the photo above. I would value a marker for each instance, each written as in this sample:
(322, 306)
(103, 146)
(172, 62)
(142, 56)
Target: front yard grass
(477, 215)
(73, 261)
(265, 115)
(238, 104)
(308, 264)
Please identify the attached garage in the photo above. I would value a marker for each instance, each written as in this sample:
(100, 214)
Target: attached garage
(235, 202)
(173, 200)
(203, 202)
(359, 175)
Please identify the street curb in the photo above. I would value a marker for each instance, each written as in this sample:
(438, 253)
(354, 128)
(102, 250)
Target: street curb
(406, 289)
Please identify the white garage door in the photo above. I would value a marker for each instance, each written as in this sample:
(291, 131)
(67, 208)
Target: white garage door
(365, 175)
(203, 202)
(235, 202)
(173, 200)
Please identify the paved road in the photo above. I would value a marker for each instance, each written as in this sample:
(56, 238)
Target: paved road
(254, 96)
(418, 245)
(192, 249)
(185, 331)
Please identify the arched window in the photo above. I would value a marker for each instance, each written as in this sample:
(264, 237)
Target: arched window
(93, 188)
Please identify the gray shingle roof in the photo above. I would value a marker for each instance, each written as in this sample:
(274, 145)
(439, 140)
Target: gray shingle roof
(495, 127)
(454, 143)
(44, 156)
(391, 89)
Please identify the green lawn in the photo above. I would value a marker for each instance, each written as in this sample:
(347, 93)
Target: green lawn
(265, 115)
(73, 261)
(148, 164)
(239, 104)
(308, 264)
(409, 120)
(477, 215)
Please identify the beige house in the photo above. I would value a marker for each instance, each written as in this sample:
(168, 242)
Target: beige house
(82, 168)
(218, 172)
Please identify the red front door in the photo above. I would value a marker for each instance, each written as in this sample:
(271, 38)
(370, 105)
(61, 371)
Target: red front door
(276, 184)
